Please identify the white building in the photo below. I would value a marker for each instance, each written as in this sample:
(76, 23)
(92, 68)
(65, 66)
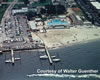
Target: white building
(22, 10)
(96, 4)
(32, 25)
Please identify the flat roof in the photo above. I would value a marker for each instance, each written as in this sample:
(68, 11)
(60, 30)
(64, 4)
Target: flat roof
(62, 16)
(32, 24)
(19, 11)
(96, 4)
(78, 17)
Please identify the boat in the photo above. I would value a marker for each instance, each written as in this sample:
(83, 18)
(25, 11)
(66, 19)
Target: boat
(44, 57)
(53, 56)
(8, 61)
(56, 60)
(17, 58)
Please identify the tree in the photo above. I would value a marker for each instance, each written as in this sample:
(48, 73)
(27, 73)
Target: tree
(43, 1)
(26, 2)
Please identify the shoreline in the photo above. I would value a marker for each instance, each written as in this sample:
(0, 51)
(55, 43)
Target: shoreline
(55, 39)
(72, 44)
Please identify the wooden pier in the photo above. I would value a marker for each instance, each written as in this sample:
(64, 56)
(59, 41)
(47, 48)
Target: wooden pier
(49, 57)
(12, 55)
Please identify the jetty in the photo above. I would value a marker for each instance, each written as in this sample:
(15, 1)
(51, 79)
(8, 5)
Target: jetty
(12, 55)
(48, 54)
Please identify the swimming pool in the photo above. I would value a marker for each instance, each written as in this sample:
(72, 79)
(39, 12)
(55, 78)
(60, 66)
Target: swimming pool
(58, 22)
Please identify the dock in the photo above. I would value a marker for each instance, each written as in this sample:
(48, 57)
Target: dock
(12, 55)
(48, 54)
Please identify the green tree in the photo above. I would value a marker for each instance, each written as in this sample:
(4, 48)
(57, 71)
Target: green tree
(26, 2)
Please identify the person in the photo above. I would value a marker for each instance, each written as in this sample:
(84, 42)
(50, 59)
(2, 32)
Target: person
(44, 29)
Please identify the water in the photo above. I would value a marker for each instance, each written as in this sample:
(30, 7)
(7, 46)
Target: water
(58, 22)
(81, 56)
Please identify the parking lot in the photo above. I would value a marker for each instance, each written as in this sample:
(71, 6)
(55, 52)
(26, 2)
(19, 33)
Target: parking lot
(18, 31)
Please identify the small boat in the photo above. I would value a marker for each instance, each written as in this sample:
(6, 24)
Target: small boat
(56, 60)
(8, 61)
(53, 56)
(44, 57)
(17, 58)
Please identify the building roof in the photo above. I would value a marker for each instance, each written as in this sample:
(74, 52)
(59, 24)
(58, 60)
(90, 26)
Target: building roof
(96, 4)
(62, 16)
(19, 10)
(32, 24)
(78, 17)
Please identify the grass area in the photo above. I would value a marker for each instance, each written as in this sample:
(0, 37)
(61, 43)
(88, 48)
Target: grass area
(20, 0)
(3, 9)
(48, 2)
(9, 0)
(19, 5)
(39, 4)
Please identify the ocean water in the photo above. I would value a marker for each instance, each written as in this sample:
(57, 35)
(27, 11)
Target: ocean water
(81, 56)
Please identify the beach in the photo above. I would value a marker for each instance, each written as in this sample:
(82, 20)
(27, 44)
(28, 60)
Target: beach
(55, 38)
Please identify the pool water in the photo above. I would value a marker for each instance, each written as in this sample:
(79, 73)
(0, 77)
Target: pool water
(58, 22)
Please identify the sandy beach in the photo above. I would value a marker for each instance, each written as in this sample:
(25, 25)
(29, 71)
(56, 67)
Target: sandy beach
(55, 38)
